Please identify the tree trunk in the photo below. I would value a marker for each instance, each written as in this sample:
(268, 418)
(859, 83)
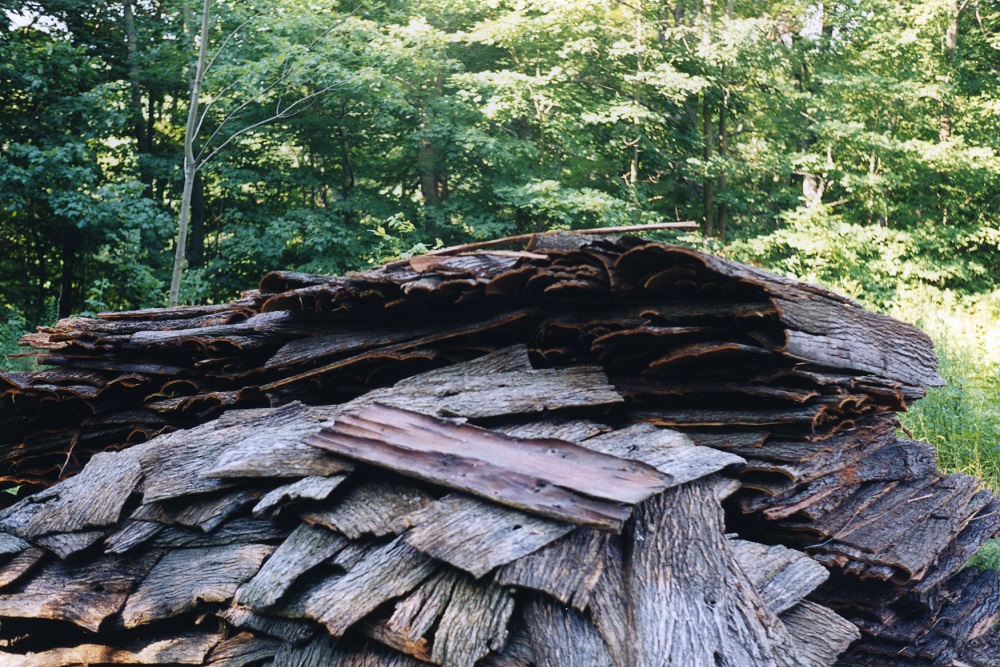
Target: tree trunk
(951, 60)
(196, 245)
(65, 306)
(708, 185)
(190, 166)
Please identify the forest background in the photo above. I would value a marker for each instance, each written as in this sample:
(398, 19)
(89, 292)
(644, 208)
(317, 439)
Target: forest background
(852, 143)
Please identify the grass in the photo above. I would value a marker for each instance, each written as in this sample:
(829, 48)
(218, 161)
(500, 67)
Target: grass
(961, 419)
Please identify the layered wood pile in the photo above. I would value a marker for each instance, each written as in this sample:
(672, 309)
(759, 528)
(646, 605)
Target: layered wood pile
(499, 458)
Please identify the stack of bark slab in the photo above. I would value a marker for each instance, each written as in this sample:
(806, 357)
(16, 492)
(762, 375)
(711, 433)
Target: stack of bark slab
(799, 383)
(392, 531)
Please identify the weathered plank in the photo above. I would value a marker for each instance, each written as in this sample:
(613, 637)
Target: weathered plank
(190, 649)
(473, 624)
(688, 600)
(418, 612)
(320, 652)
(385, 573)
(20, 565)
(84, 595)
(292, 460)
(181, 463)
(305, 548)
(65, 545)
(517, 652)
(309, 488)
(187, 578)
(371, 508)
(557, 462)
(290, 630)
(670, 452)
(819, 635)
(476, 536)
(609, 606)
(567, 569)
(782, 576)
(236, 531)
(12, 544)
(242, 650)
(130, 535)
(562, 636)
(92, 499)
(494, 466)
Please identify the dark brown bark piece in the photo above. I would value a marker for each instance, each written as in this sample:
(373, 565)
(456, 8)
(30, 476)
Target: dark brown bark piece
(566, 481)
(84, 595)
(187, 578)
(305, 548)
(370, 508)
(385, 573)
(476, 536)
(567, 569)
(562, 636)
(65, 545)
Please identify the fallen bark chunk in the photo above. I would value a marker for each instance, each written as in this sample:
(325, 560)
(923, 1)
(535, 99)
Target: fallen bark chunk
(186, 578)
(561, 637)
(385, 573)
(92, 499)
(473, 624)
(185, 650)
(819, 635)
(243, 649)
(476, 536)
(84, 595)
(688, 600)
(305, 548)
(371, 508)
(567, 569)
(567, 482)
(310, 488)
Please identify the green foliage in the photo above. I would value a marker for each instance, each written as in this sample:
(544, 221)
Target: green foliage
(12, 327)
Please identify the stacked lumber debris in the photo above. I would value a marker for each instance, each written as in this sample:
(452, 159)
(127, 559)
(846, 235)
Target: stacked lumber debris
(708, 377)
(400, 533)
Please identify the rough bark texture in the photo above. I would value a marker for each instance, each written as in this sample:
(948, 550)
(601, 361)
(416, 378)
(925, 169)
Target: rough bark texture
(628, 386)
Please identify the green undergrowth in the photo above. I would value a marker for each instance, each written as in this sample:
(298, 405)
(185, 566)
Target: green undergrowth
(961, 419)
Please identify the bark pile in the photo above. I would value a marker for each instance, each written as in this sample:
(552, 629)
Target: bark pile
(506, 457)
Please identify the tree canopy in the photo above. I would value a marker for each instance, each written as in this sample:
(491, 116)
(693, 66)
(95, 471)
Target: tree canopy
(853, 142)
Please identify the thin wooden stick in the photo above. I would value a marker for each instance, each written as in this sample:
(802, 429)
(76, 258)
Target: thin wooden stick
(596, 231)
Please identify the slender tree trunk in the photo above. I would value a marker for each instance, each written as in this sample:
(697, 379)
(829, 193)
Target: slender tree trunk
(708, 185)
(65, 306)
(951, 61)
(196, 243)
(190, 165)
